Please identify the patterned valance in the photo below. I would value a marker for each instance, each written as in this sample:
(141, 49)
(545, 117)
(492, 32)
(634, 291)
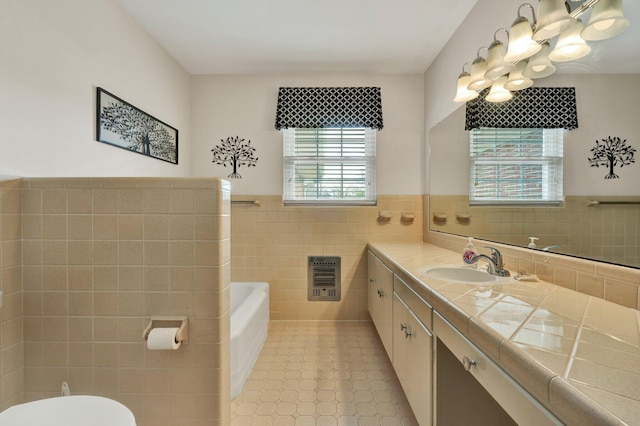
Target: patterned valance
(322, 107)
(532, 108)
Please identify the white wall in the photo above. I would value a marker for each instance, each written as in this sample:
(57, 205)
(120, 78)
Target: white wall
(245, 106)
(54, 53)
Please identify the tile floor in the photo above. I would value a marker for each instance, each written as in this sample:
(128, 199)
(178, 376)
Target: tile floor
(322, 373)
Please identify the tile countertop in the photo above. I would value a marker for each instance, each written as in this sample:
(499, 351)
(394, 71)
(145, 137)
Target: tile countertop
(577, 354)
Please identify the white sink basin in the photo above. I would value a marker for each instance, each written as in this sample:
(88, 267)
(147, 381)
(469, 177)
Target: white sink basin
(459, 274)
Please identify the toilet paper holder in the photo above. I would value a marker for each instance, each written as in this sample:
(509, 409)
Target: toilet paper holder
(182, 322)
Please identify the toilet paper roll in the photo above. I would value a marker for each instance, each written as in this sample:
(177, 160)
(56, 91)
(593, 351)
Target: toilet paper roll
(163, 339)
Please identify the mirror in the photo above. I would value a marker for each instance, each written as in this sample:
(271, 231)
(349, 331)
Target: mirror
(607, 107)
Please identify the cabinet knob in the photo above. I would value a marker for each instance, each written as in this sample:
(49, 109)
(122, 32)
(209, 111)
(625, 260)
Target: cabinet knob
(370, 280)
(380, 293)
(468, 363)
(407, 334)
(403, 327)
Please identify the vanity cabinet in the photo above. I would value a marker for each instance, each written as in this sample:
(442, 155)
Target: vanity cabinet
(412, 349)
(380, 300)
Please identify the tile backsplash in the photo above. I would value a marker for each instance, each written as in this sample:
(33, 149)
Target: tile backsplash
(618, 284)
(271, 243)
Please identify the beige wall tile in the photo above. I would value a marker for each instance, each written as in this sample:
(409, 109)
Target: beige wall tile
(156, 201)
(54, 226)
(79, 201)
(105, 201)
(130, 201)
(105, 278)
(54, 201)
(80, 252)
(622, 293)
(105, 227)
(31, 226)
(80, 277)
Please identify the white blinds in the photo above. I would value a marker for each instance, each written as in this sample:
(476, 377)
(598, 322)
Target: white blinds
(516, 166)
(329, 166)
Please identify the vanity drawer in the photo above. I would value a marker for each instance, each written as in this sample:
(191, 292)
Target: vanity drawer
(512, 397)
(420, 308)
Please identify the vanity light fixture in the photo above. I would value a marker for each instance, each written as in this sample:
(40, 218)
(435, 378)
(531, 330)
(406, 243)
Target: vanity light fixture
(539, 65)
(553, 18)
(496, 65)
(528, 54)
(570, 45)
(464, 94)
(498, 93)
(607, 20)
(478, 70)
(521, 45)
(517, 80)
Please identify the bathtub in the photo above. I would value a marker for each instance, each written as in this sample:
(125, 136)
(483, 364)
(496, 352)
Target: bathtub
(249, 324)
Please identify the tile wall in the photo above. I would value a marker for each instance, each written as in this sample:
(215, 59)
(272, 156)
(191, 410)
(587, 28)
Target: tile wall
(100, 256)
(11, 344)
(614, 283)
(610, 233)
(272, 242)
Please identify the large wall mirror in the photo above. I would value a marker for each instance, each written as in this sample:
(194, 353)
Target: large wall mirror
(607, 84)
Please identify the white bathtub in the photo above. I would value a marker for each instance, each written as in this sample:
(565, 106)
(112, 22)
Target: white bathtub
(249, 324)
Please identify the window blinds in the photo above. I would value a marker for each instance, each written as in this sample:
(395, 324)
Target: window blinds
(516, 166)
(329, 166)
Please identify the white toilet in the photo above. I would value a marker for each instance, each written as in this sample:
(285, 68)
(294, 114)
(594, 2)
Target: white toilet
(76, 410)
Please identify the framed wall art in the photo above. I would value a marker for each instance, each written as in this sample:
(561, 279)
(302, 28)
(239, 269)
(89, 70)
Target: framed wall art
(121, 124)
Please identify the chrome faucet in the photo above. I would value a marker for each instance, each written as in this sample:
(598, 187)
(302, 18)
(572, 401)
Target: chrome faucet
(495, 265)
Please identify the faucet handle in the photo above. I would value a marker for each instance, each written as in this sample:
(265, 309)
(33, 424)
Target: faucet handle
(494, 252)
(496, 255)
(497, 259)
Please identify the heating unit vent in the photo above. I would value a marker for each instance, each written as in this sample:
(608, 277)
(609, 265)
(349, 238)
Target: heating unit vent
(323, 278)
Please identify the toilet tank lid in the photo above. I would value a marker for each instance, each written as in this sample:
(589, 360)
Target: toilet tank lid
(76, 410)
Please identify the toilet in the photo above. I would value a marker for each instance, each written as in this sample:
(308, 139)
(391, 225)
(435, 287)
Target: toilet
(76, 410)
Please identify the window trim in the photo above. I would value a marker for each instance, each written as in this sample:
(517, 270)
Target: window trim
(368, 159)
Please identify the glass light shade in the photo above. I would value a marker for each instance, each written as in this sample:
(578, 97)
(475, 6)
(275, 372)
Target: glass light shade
(498, 93)
(517, 80)
(539, 65)
(606, 21)
(521, 45)
(553, 18)
(463, 93)
(478, 71)
(570, 45)
(496, 65)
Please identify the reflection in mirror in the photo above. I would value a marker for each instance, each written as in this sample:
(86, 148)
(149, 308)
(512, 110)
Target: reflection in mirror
(606, 106)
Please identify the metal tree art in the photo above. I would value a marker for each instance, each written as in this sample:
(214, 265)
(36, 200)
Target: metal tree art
(612, 152)
(235, 152)
(142, 132)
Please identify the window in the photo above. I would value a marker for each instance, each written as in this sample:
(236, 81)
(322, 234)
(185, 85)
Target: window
(329, 166)
(516, 166)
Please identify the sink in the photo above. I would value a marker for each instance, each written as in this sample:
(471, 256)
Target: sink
(459, 274)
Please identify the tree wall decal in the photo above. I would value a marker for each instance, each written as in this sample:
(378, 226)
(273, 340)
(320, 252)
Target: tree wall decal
(235, 152)
(612, 152)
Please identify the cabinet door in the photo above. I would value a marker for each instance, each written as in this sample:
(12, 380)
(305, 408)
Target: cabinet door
(412, 355)
(384, 305)
(419, 366)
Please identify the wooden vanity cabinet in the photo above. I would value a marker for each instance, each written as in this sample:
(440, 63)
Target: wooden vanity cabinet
(380, 300)
(412, 349)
